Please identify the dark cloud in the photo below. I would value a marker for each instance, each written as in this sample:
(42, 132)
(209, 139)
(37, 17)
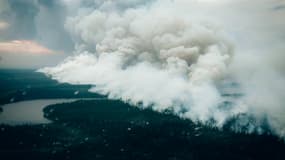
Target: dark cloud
(279, 7)
(50, 26)
(20, 16)
(40, 20)
(48, 3)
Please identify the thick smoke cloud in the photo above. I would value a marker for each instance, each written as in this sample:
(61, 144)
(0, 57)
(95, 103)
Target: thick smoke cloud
(174, 56)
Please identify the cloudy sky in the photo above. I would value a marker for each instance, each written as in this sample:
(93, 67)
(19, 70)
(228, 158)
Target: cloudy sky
(33, 32)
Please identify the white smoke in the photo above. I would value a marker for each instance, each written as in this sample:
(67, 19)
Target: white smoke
(164, 55)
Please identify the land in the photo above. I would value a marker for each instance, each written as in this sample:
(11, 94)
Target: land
(111, 129)
(19, 85)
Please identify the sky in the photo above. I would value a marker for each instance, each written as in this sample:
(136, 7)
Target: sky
(33, 33)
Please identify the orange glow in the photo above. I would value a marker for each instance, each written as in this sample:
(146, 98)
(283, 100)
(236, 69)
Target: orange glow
(3, 25)
(24, 46)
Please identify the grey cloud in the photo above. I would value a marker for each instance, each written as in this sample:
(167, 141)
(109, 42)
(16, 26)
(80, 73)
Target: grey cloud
(280, 7)
(40, 20)
(20, 16)
(49, 22)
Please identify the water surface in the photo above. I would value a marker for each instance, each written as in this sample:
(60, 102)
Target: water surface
(28, 112)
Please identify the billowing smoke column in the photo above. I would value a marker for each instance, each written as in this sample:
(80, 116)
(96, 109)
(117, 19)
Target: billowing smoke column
(156, 54)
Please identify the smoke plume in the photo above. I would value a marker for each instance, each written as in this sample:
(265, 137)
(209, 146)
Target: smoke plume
(172, 56)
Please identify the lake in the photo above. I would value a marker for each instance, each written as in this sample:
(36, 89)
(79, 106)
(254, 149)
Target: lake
(28, 112)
